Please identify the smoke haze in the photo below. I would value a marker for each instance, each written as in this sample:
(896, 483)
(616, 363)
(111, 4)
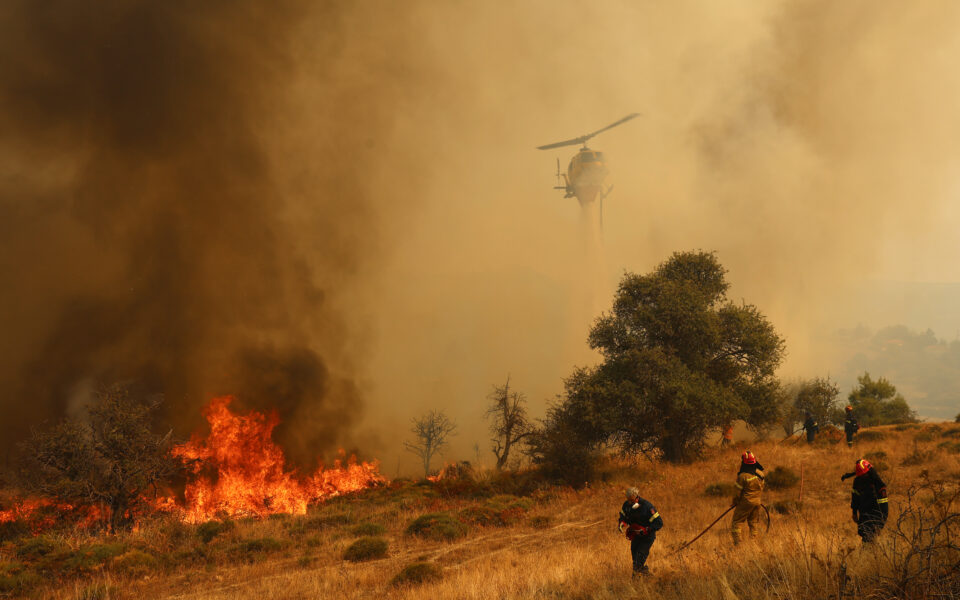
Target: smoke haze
(320, 209)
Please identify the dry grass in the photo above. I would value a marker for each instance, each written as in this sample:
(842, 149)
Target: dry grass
(558, 544)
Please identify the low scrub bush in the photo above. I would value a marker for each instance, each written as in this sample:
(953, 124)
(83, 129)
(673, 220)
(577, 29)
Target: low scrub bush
(254, 549)
(906, 426)
(13, 530)
(368, 529)
(917, 457)
(211, 529)
(15, 579)
(37, 547)
(437, 526)
(417, 573)
(950, 446)
(923, 437)
(952, 432)
(85, 559)
(871, 435)
(366, 548)
(781, 478)
(720, 489)
(135, 563)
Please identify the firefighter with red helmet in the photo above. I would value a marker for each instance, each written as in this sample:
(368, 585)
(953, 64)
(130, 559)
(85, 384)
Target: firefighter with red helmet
(748, 501)
(639, 521)
(868, 500)
(850, 426)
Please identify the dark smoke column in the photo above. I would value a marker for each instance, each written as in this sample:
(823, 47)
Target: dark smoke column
(141, 216)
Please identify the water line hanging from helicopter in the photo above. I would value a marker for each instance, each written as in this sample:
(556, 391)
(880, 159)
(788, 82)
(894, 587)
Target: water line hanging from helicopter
(587, 169)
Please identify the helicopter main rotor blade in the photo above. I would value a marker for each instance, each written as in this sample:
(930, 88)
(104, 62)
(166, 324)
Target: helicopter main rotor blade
(572, 142)
(583, 138)
(611, 126)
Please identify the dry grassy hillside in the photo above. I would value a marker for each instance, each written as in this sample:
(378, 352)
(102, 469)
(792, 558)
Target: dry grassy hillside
(551, 543)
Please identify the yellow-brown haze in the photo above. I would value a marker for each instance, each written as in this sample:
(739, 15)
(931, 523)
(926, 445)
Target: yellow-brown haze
(398, 240)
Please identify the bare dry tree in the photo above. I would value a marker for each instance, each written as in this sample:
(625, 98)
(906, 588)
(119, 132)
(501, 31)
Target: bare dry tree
(430, 432)
(510, 424)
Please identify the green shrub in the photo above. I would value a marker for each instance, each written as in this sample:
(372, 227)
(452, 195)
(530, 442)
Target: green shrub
(781, 478)
(366, 548)
(417, 573)
(368, 529)
(85, 559)
(483, 516)
(211, 529)
(871, 435)
(720, 489)
(36, 548)
(135, 563)
(437, 526)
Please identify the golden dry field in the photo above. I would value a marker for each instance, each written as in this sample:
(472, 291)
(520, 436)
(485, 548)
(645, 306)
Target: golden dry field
(556, 543)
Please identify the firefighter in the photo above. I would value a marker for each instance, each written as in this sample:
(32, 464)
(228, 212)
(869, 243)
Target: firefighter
(868, 500)
(639, 521)
(850, 426)
(812, 428)
(727, 439)
(747, 501)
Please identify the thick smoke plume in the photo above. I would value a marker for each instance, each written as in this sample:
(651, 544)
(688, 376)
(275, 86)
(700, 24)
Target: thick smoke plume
(313, 204)
(148, 199)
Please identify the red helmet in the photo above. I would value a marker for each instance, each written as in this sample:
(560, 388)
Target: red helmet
(863, 465)
(748, 458)
(849, 408)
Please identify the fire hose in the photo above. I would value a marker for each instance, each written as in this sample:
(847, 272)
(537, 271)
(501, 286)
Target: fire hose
(717, 520)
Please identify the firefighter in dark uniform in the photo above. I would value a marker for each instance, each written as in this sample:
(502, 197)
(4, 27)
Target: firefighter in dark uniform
(850, 426)
(639, 521)
(868, 500)
(812, 427)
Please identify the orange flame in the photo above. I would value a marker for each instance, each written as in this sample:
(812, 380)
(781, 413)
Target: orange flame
(236, 471)
(240, 471)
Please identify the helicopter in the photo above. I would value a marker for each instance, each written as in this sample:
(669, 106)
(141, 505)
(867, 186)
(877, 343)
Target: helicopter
(587, 170)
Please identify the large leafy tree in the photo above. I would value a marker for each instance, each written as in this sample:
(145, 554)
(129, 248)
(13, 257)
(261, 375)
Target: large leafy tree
(877, 402)
(679, 359)
(818, 396)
